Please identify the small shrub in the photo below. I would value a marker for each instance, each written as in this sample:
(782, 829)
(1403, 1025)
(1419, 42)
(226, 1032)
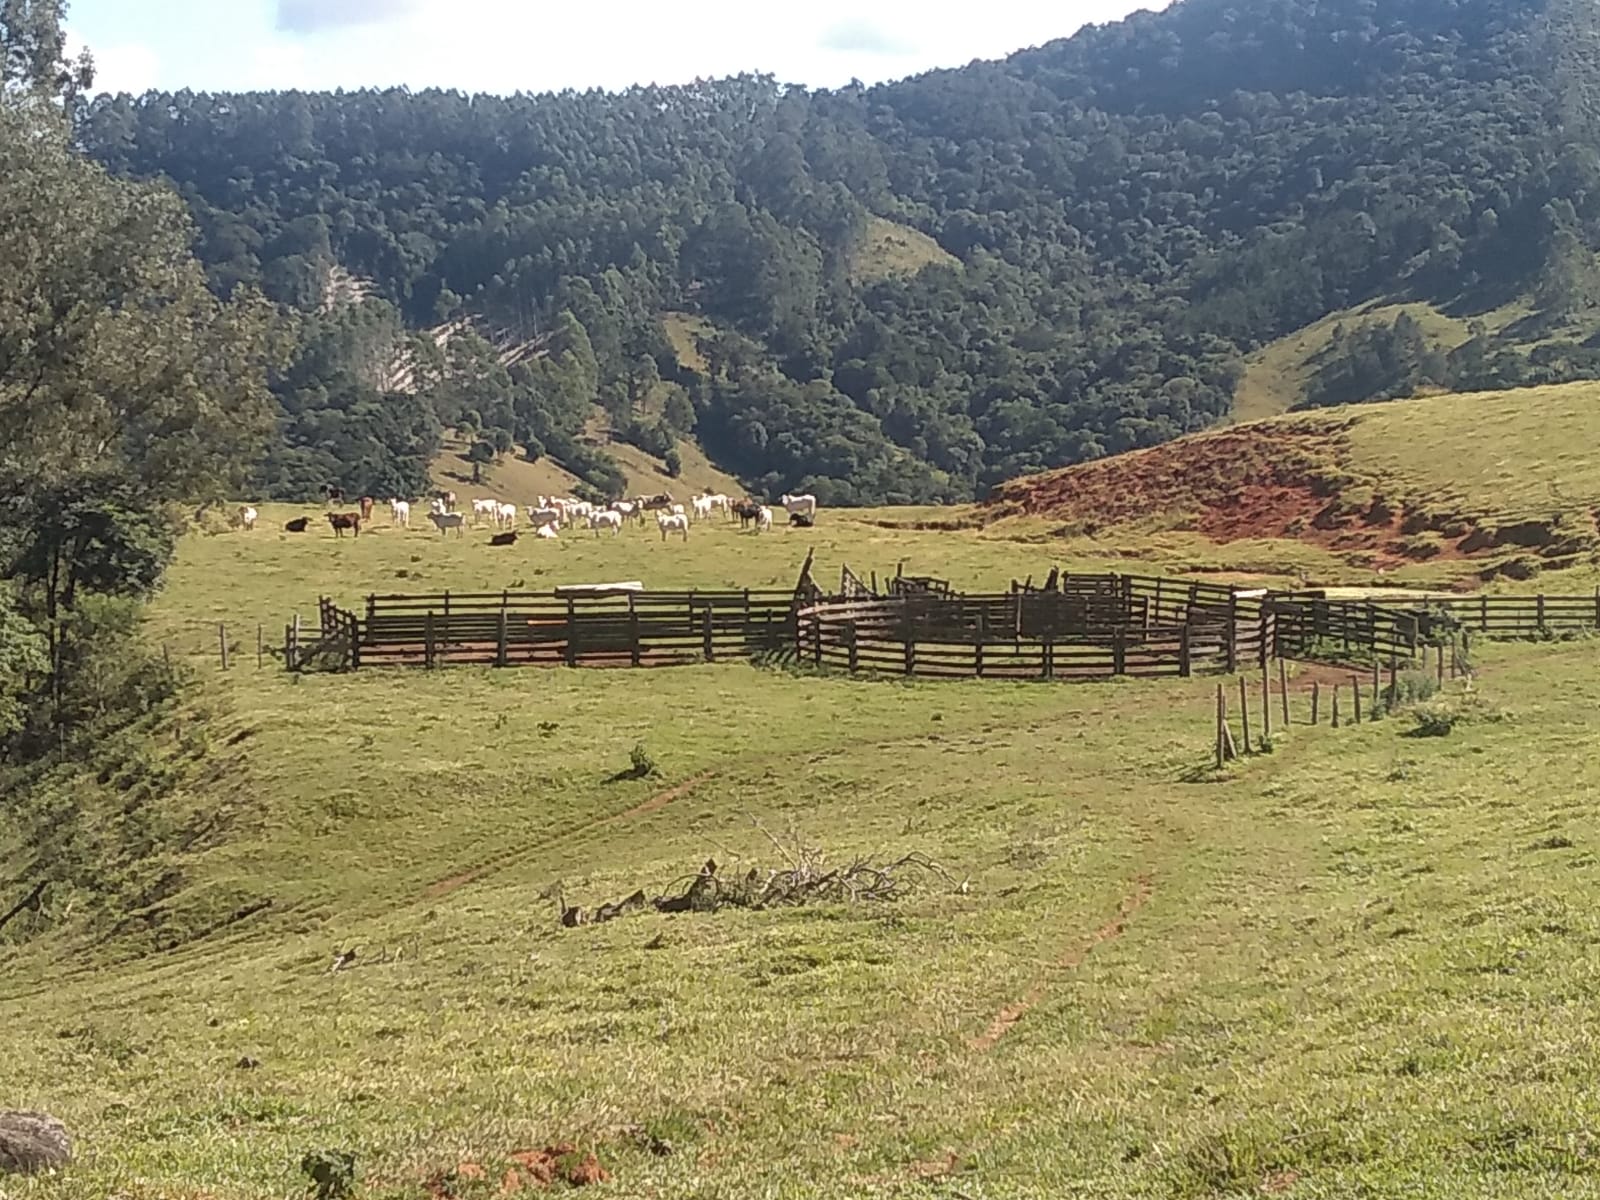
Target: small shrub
(643, 764)
(1434, 719)
(332, 1173)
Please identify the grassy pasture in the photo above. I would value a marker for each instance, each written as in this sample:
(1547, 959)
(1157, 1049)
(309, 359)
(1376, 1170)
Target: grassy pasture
(1360, 965)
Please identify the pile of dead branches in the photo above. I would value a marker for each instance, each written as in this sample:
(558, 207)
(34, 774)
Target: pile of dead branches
(806, 878)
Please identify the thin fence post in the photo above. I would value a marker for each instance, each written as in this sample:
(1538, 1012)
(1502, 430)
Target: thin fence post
(1355, 695)
(1048, 655)
(1540, 611)
(1244, 712)
(636, 651)
(816, 639)
(1185, 659)
(1233, 633)
(1336, 706)
(1316, 702)
(1483, 613)
(430, 648)
(983, 636)
(222, 641)
(572, 634)
(1394, 687)
(707, 646)
(1266, 705)
(1377, 683)
(501, 648)
(1283, 691)
(1119, 652)
(1221, 722)
(850, 644)
(1439, 665)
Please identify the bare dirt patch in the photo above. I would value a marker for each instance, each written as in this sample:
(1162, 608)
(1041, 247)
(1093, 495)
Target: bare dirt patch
(1006, 1019)
(524, 1171)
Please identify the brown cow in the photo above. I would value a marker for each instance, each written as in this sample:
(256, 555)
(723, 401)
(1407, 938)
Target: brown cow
(332, 494)
(504, 539)
(343, 521)
(298, 525)
(366, 508)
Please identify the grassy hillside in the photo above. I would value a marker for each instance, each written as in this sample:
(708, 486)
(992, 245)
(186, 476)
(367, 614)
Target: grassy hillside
(1472, 483)
(1152, 981)
(889, 248)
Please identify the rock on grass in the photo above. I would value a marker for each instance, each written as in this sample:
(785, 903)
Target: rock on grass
(32, 1141)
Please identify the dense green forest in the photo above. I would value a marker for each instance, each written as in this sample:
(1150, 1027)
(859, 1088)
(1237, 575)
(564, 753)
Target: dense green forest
(1129, 211)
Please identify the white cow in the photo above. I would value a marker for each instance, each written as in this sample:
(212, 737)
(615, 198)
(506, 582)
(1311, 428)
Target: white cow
(673, 523)
(248, 517)
(547, 531)
(627, 508)
(763, 519)
(702, 508)
(720, 501)
(485, 508)
(605, 519)
(400, 513)
(505, 516)
(546, 514)
(449, 520)
(804, 505)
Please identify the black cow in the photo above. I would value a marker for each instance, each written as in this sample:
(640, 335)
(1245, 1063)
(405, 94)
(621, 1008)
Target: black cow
(504, 539)
(298, 525)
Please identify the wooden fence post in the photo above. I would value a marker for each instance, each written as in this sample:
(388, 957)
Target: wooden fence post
(1283, 690)
(1244, 712)
(636, 651)
(1336, 706)
(1439, 665)
(1266, 705)
(1316, 702)
(1541, 612)
(983, 636)
(850, 645)
(355, 642)
(572, 633)
(1483, 613)
(430, 647)
(1233, 633)
(1377, 684)
(501, 650)
(1221, 723)
(707, 644)
(1185, 659)
(288, 649)
(222, 641)
(1048, 655)
(1265, 624)
(1119, 651)
(1355, 694)
(816, 639)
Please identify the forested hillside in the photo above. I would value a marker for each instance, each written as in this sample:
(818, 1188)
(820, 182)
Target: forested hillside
(1127, 213)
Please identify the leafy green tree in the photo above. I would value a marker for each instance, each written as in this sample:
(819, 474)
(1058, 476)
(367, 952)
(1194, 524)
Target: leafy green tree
(673, 461)
(480, 455)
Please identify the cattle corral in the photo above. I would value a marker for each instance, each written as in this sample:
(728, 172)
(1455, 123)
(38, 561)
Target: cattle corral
(1077, 627)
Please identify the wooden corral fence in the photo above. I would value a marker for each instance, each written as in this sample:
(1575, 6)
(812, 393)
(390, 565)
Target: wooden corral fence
(531, 629)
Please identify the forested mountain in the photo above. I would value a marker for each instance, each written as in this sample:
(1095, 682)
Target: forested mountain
(1130, 211)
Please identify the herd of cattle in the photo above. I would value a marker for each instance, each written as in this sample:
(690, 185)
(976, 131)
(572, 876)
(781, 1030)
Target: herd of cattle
(554, 513)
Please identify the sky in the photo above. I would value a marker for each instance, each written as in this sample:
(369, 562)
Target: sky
(535, 45)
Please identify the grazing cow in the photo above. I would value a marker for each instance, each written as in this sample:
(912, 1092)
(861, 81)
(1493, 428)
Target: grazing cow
(544, 516)
(802, 520)
(484, 508)
(503, 539)
(343, 521)
(605, 519)
(448, 520)
(628, 508)
(677, 510)
(247, 517)
(658, 501)
(366, 508)
(547, 531)
(400, 513)
(673, 523)
(505, 516)
(764, 519)
(746, 511)
(298, 525)
(806, 504)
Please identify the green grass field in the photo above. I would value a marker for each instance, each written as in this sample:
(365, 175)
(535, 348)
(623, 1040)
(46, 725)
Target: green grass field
(1358, 966)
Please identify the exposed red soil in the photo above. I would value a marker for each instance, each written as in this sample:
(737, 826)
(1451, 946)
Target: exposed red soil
(1272, 481)
(1006, 1019)
(526, 1170)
